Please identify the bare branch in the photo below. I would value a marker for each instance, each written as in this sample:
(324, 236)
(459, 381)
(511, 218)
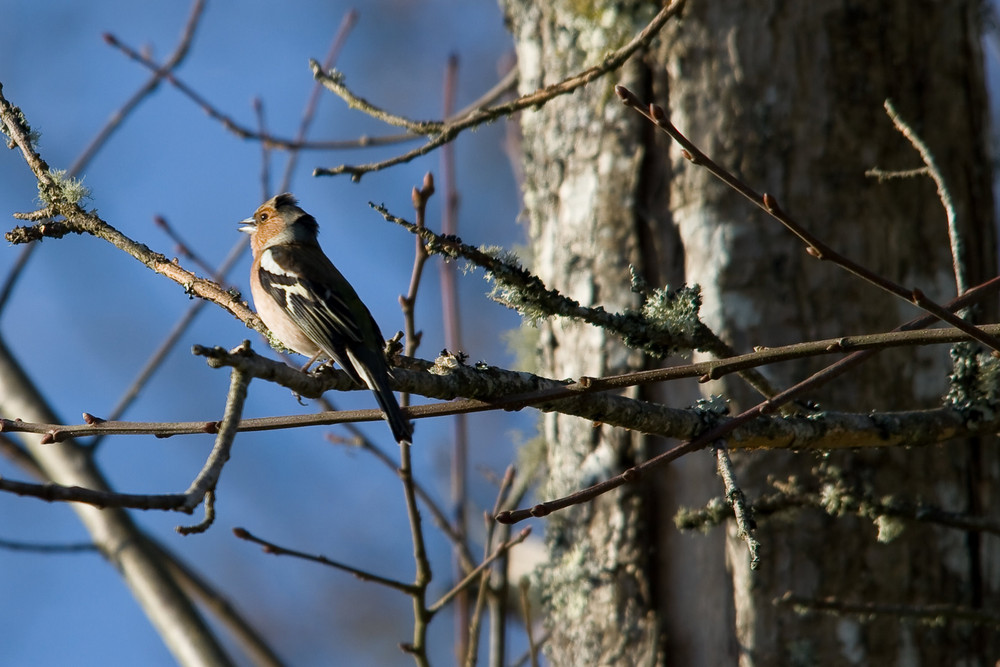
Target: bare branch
(208, 478)
(78, 221)
(242, 131)
(444, 132)
(116, 120)
(931, 614)
(272, 548)
(478, 571)
(742, 511)
(814, 246)
(58, 492)
(958, 254)
(347, 24)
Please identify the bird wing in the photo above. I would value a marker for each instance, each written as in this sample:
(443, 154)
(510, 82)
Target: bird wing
(320, 301)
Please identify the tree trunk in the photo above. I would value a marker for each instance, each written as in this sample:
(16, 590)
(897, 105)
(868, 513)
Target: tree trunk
(583, 156)
(789, 97)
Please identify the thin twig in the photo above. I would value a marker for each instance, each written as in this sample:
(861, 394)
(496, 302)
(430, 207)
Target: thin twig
(170, 64)
(242, 131)
(745, 524)
(453, 341)
(206, 521)
(931, 614)
(472, 644)
(502, 549)
(421, 613)
(333, 81)
(265, 150)
(408, 303)
(363, 575)
(499, 580)
(422, 578)
(439, 516)
(181, 246)
(58, 492)
(336, 45)
(958, 254)
(15, 272)
(529, 629)
(46, 548)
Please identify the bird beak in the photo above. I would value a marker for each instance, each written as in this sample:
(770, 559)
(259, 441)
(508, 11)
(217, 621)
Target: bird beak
(248, 226)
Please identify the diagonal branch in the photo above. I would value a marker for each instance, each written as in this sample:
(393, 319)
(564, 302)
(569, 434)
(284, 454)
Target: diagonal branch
(77, 221)
(117, 118)
(814, 246)
(443, 132)
(363, 575)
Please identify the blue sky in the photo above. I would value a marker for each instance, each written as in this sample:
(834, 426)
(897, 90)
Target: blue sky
(85, 317)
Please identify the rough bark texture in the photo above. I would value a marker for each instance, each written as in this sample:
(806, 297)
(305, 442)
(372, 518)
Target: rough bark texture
(789, 96)
(582, 159)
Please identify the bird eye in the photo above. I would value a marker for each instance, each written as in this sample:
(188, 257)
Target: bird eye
(262, 216)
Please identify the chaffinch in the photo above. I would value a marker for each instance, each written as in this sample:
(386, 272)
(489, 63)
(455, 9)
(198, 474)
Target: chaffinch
(310, 307)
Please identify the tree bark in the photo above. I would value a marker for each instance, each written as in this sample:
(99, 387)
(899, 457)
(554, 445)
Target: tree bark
(582, 161)
(789, 96)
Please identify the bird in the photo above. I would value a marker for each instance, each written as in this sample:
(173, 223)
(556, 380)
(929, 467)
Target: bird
(310, 307)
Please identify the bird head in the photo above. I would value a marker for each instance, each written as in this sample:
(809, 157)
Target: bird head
(279, 221)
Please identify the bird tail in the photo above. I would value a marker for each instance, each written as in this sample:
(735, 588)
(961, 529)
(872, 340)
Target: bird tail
(377, 381)
(400, 425)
